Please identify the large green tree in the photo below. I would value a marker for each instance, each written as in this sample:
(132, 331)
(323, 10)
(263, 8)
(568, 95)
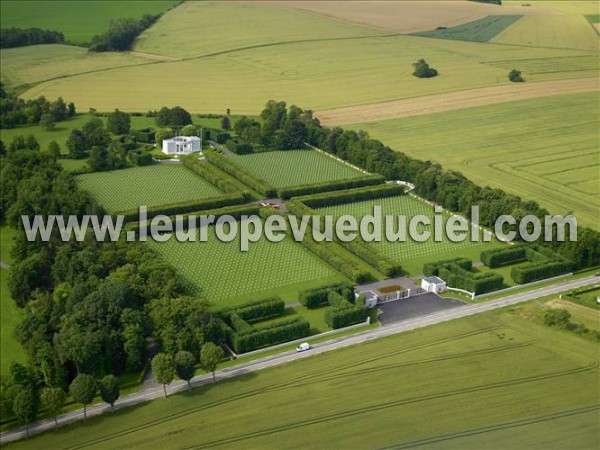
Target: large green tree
(118, 122)
(82, 390)
(173, 117)
(109, 390)
(185, 366)
(53, 400)
(163, 369)
(210, 356)
(25, 405)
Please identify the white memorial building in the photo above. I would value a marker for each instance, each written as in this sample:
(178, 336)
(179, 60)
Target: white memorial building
(181, 145)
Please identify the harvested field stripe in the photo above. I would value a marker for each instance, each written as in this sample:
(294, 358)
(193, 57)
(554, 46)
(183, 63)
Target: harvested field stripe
(481, 30)
(453, 101)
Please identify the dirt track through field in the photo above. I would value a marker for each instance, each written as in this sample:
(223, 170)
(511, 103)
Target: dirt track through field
(417, 106)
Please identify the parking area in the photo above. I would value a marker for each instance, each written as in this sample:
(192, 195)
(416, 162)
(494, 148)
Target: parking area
(417, 306)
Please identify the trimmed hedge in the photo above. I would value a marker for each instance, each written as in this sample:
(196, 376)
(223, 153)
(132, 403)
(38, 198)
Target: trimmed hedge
(145, 135)
(380, 262)
(240, 174)
(239, 325)
(222, 138)
(257, 310)
(343, 313)
(457, 273)
(235, 211)
(315, 297)
(502, 256)
(276, 333)
(432, 269)
(345, 317)
(543, 262)
(306, 189)
(189, 206)
(213, 175)
(333, 254)
(351, 195)
(540, 270)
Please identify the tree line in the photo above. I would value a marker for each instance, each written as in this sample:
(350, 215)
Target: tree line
(19, 37)
(121, 34)
(15, 111)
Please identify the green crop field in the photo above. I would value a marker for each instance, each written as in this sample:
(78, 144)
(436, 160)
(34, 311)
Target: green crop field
(494, 380)
(542, 149)
(574, 7)
(294, 167)
(245, 80)
(36, 63)
(223, 274)
(481, 30)
(271, 54)
(410, 254)
(78, 21)
(161, 184)
(202, 28)
(561, 31)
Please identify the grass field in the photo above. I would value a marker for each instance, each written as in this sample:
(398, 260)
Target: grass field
(376, 70)
(589, 317)
(60, 133)
(481, 30)
(574, 7)
(225, 275)
(10, 315)
(542, 149)
(294, 167)
(588, 298)
(201, 28)
(494, 380)
(32, 64)
(78, 21)
(410, 254)
(161, 184)
(560, 31)
(7, 236)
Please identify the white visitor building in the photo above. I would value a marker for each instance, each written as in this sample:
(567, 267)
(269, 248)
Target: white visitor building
(181, 145)
(433, 284)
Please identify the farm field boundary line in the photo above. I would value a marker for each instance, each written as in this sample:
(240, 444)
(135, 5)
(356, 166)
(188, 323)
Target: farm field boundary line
(417, 106)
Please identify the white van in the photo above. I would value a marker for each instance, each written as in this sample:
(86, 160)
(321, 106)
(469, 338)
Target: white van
(303, 347)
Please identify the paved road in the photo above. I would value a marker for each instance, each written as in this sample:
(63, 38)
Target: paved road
(334, 344)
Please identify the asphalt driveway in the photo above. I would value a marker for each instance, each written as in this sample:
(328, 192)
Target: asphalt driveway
(417, 306)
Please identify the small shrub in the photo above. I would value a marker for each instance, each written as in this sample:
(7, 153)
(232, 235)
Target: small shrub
(423, 70)
(515, 76)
